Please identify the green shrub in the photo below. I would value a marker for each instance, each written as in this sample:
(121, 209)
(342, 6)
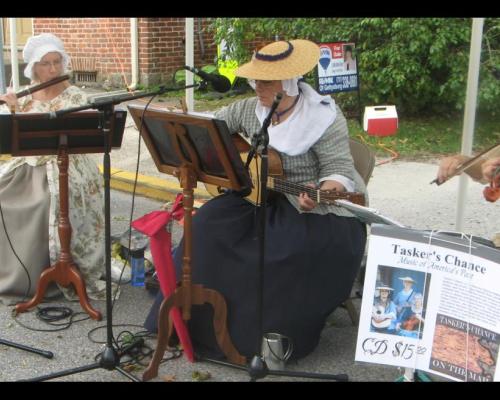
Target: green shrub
(418, 64)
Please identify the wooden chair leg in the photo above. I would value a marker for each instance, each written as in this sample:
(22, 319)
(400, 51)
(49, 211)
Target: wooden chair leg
(351, 310)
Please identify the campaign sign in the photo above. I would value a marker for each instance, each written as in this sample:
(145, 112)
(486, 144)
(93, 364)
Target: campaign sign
(337, 68)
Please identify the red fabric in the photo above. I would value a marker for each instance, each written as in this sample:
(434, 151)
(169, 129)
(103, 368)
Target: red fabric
(153, 225)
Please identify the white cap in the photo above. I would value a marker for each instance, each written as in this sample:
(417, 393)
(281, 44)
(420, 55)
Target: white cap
(37, 47)
(407, 278)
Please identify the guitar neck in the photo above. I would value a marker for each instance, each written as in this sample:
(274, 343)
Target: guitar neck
(319, 196)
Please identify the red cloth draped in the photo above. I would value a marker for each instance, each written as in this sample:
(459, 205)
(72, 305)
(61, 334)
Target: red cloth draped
(153, 225)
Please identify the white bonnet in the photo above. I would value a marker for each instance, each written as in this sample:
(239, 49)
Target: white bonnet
(290, 86)
(38, 46)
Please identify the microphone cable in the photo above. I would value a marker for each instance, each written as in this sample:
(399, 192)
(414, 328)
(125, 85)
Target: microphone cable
(15, 253)
(133, 199)
(134, 346)
(52, 315)
(49, 315)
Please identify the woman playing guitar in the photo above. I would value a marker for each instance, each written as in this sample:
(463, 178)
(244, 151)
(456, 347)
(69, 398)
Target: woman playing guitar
(313, 248)
(384, 311)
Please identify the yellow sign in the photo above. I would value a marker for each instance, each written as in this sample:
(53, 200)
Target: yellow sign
(226, 67)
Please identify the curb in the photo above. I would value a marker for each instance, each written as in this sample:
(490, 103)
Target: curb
(150, 187)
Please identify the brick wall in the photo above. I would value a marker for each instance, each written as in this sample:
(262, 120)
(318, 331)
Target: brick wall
(161, 45)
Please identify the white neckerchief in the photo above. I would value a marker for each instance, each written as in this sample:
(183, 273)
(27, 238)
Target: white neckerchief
(306, 124)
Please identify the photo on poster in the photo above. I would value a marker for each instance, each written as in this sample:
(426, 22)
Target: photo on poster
(399, 302)
(464, 351)
(337, 69)
(349, 58)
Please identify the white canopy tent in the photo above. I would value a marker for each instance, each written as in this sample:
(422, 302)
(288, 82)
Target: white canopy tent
(13, 54)
(189, 43)
(3, 84)
(469, 113)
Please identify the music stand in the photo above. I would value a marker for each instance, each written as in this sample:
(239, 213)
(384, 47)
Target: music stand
(192, 148)
(35, 134)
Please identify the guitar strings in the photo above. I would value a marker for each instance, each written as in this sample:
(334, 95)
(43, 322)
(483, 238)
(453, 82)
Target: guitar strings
(296, 189)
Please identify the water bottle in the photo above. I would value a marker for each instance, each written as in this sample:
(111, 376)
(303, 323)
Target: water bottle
(138, 243)
(137, 265)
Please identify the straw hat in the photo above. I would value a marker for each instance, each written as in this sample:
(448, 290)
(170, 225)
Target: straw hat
(281, 60)
(407, 278)
(383, 286)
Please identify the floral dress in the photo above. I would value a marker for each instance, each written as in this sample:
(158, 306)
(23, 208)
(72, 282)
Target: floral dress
(86, 207)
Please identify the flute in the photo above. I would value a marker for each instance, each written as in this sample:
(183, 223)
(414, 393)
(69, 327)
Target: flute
(40, 86)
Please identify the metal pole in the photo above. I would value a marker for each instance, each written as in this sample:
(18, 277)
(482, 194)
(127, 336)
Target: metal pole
(189, 61)
(134, 56)
(13, 54)
(3, 85)
(469, 113)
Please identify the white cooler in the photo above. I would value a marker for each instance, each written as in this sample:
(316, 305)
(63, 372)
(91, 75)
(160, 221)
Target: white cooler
(380, 120)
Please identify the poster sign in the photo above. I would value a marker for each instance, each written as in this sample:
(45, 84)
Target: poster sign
(431, 301)
(337, 68)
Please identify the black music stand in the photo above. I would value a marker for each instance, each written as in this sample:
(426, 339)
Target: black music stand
(198, 148)
(93, 132)
(35, 134)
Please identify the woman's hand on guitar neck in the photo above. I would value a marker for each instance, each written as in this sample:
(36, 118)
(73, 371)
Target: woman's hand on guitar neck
(307, 204)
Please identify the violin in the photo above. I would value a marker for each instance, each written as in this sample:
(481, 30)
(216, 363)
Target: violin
(40, 86)
(411, 324)
(492, 192)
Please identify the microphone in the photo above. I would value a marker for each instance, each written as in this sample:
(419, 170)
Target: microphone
(113, 98)
(219, 82)
(262, 138)
(274, 106)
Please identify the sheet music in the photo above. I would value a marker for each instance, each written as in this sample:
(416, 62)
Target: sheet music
(368, 215)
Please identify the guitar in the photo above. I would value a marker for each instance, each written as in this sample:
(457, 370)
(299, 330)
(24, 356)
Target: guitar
(379, 311)
(278, 183)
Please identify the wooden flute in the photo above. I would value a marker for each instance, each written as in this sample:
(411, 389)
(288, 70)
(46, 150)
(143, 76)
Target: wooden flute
(40, 86)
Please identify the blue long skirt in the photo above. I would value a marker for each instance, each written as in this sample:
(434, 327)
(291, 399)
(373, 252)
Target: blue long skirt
(310, 265)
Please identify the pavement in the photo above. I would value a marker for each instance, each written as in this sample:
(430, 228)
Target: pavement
(399, 189)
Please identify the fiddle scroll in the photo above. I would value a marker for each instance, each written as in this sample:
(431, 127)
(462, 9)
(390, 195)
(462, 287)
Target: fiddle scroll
(40, 86)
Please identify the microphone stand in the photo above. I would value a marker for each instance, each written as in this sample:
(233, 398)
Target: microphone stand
(258, 368)
(110, 358)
